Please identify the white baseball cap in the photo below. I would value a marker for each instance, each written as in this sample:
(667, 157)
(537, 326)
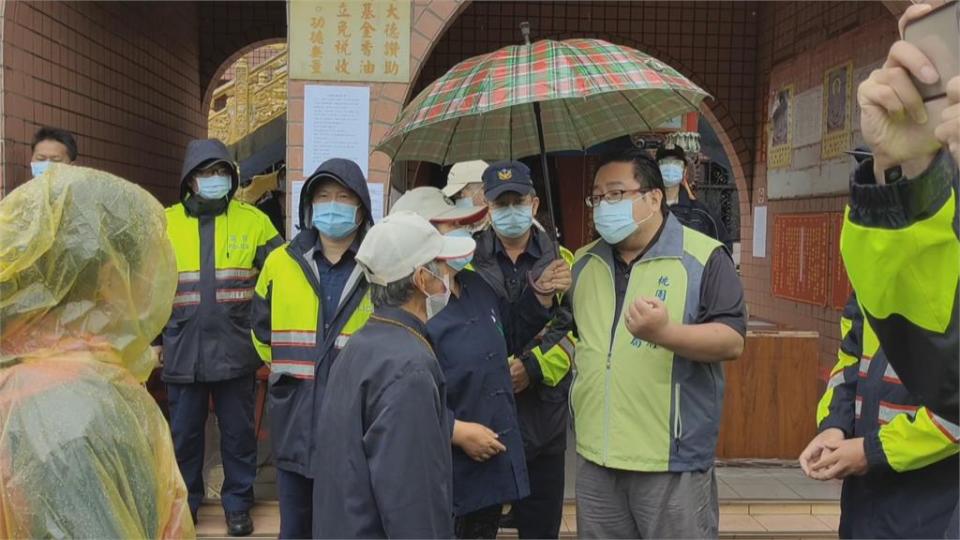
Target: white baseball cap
(403, 242)
(463, 174)
(431, 204)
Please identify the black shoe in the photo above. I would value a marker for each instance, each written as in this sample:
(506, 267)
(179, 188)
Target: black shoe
(239, 524)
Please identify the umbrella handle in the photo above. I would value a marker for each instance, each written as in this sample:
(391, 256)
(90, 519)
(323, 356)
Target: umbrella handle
(533, 285)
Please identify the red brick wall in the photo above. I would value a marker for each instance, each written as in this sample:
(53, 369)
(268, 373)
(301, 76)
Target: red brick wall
(798, 42)
(121, 76)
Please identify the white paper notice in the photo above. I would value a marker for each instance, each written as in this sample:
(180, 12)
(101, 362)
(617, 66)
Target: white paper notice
(293, 216)
(760, 232)
(376, 201)
(336, 123)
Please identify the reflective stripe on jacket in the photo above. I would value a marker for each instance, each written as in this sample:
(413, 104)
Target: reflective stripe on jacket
(218, 260)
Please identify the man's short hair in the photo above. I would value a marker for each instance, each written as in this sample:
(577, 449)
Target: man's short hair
(399, 292)
(646, 171)
(54, 134)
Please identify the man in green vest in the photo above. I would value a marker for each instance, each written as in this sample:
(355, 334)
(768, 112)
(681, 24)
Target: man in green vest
(657, 307)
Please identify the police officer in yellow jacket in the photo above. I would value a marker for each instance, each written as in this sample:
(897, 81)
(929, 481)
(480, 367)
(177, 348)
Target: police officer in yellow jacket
(898, 459)
(220, 245)
(309, 300)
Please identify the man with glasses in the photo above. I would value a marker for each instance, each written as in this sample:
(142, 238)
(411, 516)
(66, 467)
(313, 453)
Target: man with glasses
(511, 257)
(220, 245)
(657, 307)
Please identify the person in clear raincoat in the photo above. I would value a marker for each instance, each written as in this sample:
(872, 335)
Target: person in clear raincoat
(87, 278)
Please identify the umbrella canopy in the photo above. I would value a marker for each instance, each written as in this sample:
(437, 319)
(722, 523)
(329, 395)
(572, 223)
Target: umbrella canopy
(589, 91)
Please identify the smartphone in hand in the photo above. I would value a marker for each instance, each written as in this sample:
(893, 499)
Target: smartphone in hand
(937, 35)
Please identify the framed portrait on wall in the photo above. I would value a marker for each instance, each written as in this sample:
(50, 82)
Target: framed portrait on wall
(837, 105)
(781, 128)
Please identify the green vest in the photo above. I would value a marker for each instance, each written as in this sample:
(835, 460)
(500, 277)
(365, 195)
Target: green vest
(637, 406)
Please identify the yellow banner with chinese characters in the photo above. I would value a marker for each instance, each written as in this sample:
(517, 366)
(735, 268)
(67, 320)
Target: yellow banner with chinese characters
(353, 40)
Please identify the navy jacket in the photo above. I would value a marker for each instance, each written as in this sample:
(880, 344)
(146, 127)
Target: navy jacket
(468, 335)
(543, 410)
(694, 214)
(382, 456)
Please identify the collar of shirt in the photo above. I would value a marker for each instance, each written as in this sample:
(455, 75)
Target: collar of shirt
(532, 250)
(348, 255)
(400, 317)
(625, 265)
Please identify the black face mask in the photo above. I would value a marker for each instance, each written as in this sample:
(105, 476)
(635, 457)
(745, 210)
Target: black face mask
(198, 206)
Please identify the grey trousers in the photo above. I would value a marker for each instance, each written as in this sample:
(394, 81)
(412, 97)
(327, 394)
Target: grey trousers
(624, 504)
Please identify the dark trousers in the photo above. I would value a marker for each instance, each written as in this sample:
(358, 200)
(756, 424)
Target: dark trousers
(233, 405)
(540, 514)
(483, 523)
(296, 504)
(953, 526)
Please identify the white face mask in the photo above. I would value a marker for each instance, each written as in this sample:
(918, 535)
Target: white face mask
(436, 302)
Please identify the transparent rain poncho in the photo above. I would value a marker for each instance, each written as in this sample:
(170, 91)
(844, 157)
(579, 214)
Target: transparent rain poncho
(87, 278)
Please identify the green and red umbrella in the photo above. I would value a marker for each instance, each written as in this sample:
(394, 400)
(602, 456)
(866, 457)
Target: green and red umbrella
(547, 96)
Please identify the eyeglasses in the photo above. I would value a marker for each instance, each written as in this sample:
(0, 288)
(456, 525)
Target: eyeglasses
(612, 196)
(221, 170)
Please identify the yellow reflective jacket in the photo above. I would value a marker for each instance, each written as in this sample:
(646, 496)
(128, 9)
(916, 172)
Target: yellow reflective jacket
(287, 331)
(911, 451)
(900, 245)
(218, 259)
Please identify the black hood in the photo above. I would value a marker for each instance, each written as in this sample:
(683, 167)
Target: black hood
(347, 174)
(203, 152)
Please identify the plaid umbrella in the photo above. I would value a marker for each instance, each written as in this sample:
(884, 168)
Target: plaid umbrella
(588, 91)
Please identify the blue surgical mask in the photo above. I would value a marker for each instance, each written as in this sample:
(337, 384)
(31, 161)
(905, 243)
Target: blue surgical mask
(335, 220)
(672, 173)
(460, 263)
(465, 202)
(39, 167)
(614, 221)
(512, 221)
(213, 187)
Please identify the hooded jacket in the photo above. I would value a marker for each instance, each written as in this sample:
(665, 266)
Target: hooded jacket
(86, 282)
(220, 247)
(288, 329)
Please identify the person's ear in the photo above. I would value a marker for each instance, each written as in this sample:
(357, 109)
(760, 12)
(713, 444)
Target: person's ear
(656, 197)
(420, 279)
(535, 204)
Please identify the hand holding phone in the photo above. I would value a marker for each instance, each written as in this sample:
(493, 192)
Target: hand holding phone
(895, 120)
(937, 35)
